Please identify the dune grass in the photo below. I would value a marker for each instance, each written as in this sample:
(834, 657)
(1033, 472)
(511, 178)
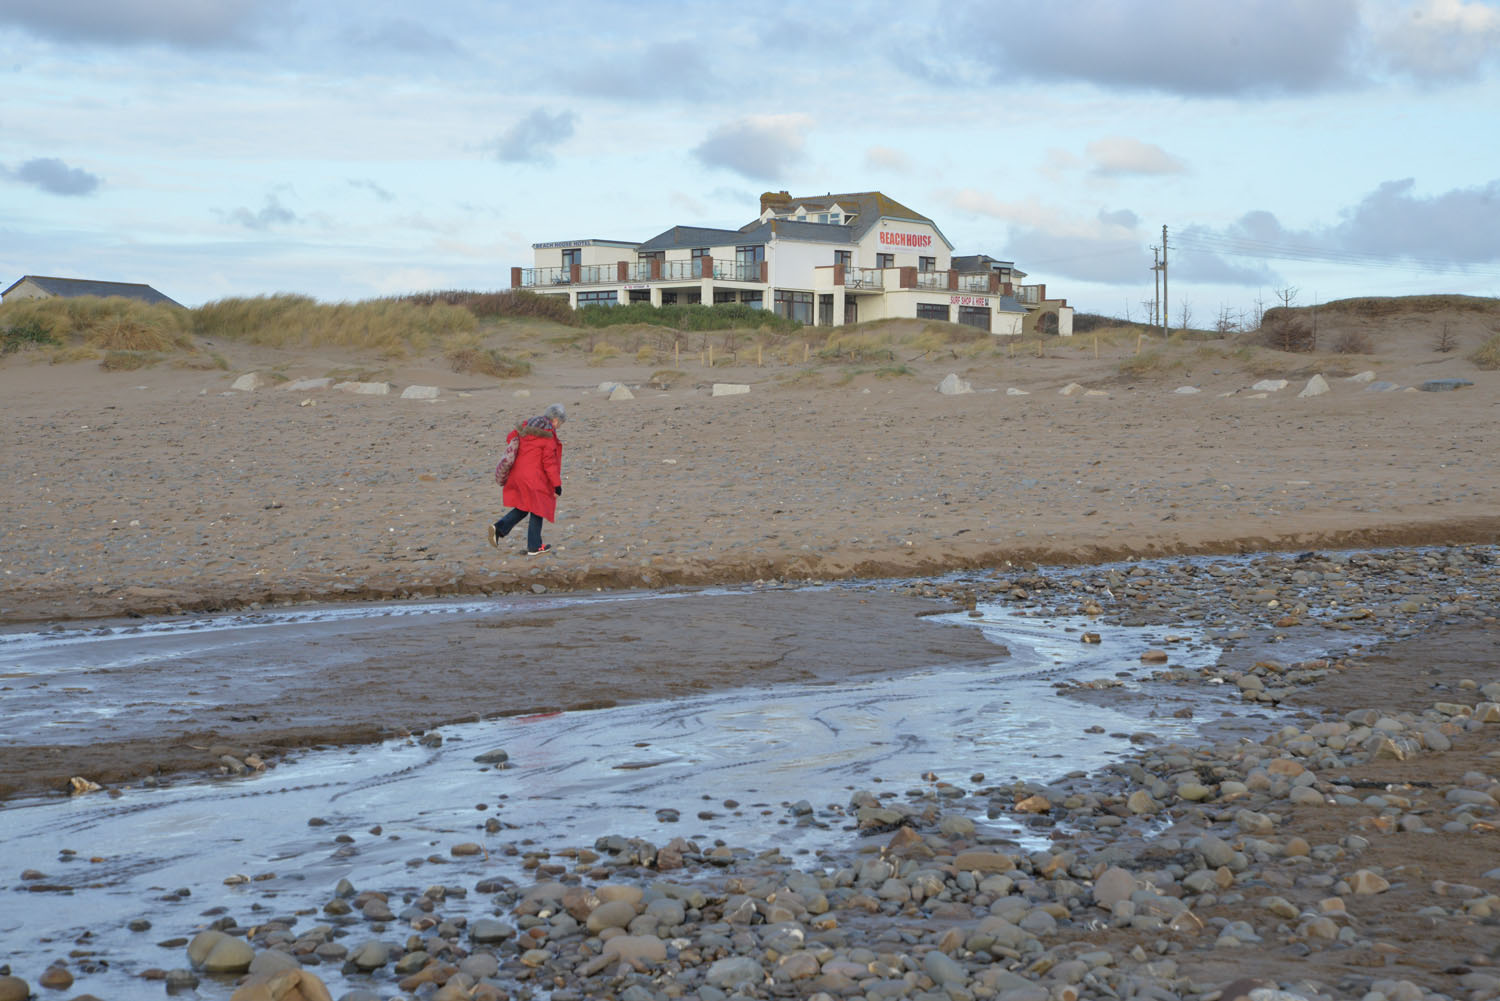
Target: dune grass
(1487, 356)
(391, 326)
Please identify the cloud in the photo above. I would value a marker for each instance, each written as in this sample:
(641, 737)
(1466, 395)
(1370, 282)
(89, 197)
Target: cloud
(184, 23)
(272, 213)
(1175, 46)
(1391, 226)
(404, 36)
(886, 158)
(1437, 40)
(1121, 156)
(531, 139)
(644, 75)
(54, 177)
(364, 184)
(1454, 227)
(757, 147)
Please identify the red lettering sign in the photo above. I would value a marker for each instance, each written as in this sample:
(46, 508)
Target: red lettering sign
(968, 300)
(894, 239)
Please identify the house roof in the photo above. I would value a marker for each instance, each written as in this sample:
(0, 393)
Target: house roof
(867, 208)
(72, 288)
(983, 262)
(692, 236)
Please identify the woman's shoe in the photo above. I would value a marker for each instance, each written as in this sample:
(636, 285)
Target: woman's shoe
(543, 548)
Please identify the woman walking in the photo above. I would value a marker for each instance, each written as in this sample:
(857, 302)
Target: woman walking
(535, 480)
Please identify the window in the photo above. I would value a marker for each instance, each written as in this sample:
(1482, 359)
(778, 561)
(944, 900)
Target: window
(747, 262)
(795, 306)
(927, 264)
(572, 256)
(755, 300)
(833, 217)
(825, 310)
(640, 295)
(885, 260)
(932, 311)
(822, 217)
(844, 257)
(974, 316)
(599, 299)
(644, 265)
(699, 253)
(725, 295)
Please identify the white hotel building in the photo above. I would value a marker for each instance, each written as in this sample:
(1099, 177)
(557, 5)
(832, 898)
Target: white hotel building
(825, 260)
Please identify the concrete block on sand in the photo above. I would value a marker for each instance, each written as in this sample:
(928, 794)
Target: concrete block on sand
(419, 393)
(249, 382)
(730, 389)
(1316, 386)
(952, 385)
(1269, 385)
(623, 393)
(365, 388)
(304, 385)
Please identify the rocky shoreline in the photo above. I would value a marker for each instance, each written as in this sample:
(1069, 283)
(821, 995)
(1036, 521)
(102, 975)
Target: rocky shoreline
(1340, 845)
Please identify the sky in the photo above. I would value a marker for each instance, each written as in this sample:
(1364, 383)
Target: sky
(1296, 150)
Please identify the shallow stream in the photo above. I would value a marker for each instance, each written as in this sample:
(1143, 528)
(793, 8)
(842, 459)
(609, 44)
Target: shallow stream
(726, 767)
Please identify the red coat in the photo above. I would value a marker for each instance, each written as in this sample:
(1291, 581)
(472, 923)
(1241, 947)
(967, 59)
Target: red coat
(537, 474)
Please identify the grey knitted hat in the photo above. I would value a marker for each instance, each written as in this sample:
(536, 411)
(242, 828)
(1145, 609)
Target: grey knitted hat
(556, 412)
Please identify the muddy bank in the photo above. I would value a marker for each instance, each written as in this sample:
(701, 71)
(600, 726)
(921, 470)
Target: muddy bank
(160, 702)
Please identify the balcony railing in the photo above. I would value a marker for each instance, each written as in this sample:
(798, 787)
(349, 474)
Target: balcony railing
(863, 278)
(588, 274)
(1029, 295)
(737, 271)
(977, 282)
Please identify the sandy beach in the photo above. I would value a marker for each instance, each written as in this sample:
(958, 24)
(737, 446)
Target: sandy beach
(164, 489)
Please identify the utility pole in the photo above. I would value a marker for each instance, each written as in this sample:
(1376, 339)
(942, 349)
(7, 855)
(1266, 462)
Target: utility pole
(1156, 281)
(1164, 312)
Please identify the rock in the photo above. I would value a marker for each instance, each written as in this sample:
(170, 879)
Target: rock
(730, 389)
(1366, 883)
(734, 971)
(611, 914)
(364, 388)
(1071, 389)
(1140, 802)
(1269, 385)
(419, 393)
(1034, 804)
(1365, 376)
(944, 969)
(983, 861)
(1443, 385)
(249, 382)
(1187, 390)
(623, 393)
(1013, 391)
(284, 985)
(637, 948)
(1154, 657)
(1316, 386)
(14, 989)
(216, 952)
(271, 961)
(952, 385)
(494, 757)
(489, 931)
(56, 978)
(1113, 885)
(370, 955)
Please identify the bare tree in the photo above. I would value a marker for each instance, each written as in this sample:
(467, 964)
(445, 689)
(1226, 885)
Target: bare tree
(1226, 323)
(1287, 296)
(1185, 315)
(1260, 310)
